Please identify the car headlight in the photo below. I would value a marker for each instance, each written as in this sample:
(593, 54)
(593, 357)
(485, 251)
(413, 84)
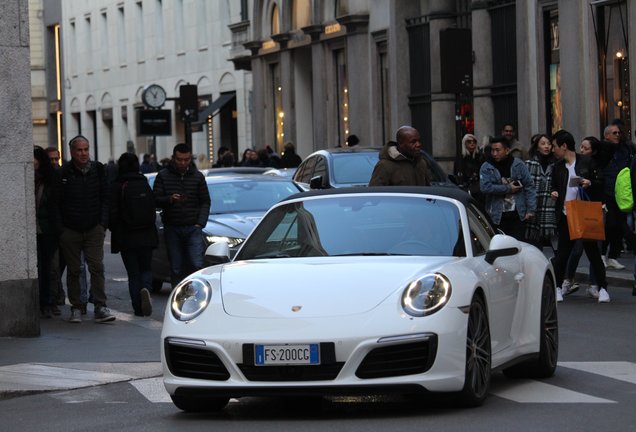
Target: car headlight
(426, 295)
(190, 298)
(231, 241)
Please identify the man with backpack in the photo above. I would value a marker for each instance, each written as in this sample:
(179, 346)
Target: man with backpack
(134, 234)
(84, 213)
(181, 192)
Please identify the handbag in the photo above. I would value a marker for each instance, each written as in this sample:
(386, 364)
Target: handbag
(585, 218)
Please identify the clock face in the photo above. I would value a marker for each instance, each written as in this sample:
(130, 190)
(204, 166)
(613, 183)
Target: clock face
(154, 96)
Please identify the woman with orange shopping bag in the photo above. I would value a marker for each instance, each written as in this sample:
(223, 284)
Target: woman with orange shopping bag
(572, 173)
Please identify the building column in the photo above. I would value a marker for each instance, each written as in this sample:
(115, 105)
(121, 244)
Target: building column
(358, 76)
(529, 64)
(399, 65)
(579, 72)
(19, 300)
(441, 16)
(483, 106)
(319, 96)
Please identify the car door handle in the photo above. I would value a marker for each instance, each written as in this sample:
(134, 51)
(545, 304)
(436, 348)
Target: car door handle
(519, 277)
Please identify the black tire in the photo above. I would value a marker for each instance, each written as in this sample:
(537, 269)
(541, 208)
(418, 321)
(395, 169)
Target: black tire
(544, 365)
(197, 404)
(157, 284)
(478, 356)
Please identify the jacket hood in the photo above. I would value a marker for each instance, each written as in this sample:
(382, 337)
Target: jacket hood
(391, 152)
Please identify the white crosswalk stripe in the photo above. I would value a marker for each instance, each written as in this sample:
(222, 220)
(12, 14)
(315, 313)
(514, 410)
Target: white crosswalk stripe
(152, 389)
(528, 391)
(618, 370)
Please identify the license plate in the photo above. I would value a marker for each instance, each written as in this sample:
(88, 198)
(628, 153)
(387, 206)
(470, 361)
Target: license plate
(304, 354)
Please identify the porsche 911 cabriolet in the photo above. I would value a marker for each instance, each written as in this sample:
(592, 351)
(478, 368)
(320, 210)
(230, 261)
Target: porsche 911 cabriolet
(362, 291)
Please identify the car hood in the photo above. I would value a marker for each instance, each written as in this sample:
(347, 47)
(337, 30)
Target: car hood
(317, 287)
(237, 225)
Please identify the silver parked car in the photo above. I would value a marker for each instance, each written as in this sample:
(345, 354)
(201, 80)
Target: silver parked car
(239, 201)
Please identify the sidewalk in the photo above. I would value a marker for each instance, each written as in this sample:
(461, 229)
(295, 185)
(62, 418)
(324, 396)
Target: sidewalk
(70, 356)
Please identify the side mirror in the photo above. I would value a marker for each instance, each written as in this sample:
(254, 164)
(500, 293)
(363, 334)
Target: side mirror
(316, 183)
(218, 252)
(502, 245)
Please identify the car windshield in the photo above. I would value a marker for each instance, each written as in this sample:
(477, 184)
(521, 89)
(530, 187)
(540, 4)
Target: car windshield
(354, 168)
(248, 196)
(361, 225)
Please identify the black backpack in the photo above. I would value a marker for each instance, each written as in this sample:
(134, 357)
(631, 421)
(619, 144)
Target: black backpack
(137, 205)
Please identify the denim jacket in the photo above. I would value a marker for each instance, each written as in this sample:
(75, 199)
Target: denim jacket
(494, 191)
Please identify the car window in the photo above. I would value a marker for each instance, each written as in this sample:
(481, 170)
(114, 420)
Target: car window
(321, 168)
(247, 196)
(481, 232)
(366, 225)
(437, 173)
(306, 170)
(354, 167)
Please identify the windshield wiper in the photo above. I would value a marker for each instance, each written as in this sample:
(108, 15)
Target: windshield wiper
(273, 255)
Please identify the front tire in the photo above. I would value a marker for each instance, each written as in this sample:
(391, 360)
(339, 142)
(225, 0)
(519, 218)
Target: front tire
(478, 356)
(544, 365)
(199, 404)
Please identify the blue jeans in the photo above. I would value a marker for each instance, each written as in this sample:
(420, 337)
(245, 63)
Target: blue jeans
(137, 262)
(186, 250)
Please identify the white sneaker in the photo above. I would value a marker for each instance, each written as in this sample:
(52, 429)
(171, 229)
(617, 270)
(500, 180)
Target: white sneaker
(592, 291)
(612, 263)
(568, 287)
(603, 296)
(559, 295)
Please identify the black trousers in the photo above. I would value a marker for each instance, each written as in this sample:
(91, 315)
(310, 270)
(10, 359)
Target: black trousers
(564, 249)
(511, 225)
(616, 229)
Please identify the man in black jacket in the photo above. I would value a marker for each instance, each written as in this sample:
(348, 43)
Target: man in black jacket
(84, 214)
(181, 191)
(571, 171)
(616, 154)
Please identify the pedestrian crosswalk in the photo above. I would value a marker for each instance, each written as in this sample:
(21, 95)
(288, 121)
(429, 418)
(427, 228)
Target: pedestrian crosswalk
(520, 391)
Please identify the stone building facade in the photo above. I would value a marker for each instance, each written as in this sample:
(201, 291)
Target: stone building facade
(113, 49)
(324, 69)
(19, 308)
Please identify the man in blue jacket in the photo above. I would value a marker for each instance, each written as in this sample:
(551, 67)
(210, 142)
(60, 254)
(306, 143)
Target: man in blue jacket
(181, 191)
(509, 193)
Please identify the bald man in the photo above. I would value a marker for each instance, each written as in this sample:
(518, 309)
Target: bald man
(401, 162)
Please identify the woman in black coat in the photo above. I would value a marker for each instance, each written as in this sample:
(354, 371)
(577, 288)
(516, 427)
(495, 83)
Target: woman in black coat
(134, 234)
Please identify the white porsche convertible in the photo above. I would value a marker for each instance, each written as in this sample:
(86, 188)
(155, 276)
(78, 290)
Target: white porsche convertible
(362, 291)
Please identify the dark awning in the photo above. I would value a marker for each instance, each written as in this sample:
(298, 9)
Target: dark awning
(219, 103)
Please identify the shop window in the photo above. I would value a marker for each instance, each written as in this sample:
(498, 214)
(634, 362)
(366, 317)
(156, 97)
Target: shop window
(275, 21)
(611, 28)
(301, 14)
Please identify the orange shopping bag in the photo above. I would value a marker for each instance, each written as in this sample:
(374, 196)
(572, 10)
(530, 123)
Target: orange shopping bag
(585, 219)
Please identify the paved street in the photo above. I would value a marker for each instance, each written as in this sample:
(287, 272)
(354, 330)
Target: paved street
(112, 373)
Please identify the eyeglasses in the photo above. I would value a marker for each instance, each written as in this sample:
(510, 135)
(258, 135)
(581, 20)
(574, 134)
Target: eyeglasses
(616, 132)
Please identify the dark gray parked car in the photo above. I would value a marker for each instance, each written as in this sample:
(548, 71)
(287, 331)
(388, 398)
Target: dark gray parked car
(350, 166)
